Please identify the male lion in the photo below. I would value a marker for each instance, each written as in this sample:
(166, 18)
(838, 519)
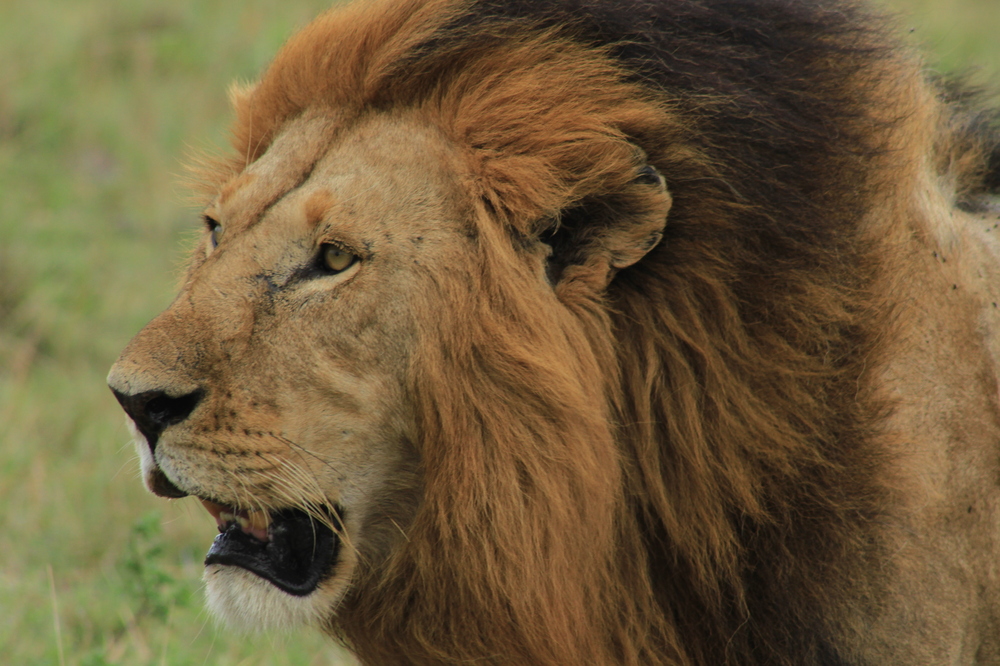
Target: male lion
(593, 332)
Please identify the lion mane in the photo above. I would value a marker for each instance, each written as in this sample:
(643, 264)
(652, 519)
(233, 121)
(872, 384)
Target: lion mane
(695, 458)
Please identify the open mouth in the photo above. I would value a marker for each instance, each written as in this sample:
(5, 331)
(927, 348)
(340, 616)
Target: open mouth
(288, 548)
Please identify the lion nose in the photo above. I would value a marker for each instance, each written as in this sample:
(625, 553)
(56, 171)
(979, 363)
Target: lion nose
(154, 411)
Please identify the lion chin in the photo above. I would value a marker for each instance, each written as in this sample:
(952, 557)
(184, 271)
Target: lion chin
(558, 332)
(245, 602)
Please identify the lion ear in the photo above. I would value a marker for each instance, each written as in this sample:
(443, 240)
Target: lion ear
(638, 226)
(611, 232)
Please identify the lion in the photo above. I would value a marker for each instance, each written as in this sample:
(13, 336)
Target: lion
(593, 332)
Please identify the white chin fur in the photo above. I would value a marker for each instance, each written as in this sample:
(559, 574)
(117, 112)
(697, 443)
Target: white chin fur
(246, 602)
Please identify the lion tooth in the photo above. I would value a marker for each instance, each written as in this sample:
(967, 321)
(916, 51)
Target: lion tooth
(226, 517)
(259, 520)
(244, 523)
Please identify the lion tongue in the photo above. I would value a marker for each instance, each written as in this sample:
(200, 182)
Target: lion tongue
(254, 523)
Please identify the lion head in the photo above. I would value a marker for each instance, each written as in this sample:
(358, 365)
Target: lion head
(508, 341)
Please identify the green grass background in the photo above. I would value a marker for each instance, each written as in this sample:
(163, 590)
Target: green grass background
(99, 100)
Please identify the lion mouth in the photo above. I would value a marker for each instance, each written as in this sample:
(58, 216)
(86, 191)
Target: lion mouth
(289, 548)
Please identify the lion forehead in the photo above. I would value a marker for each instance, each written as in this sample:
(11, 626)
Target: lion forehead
(385, 171)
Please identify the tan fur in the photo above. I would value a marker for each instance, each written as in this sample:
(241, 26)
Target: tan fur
(717, 447)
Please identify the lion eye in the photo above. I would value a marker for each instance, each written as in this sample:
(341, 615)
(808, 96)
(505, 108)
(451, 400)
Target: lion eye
(214, 231)
(336, 259)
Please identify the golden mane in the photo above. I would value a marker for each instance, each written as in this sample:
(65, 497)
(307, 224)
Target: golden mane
(685, 462)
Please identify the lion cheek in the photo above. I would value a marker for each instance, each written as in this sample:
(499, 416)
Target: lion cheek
(245, 603)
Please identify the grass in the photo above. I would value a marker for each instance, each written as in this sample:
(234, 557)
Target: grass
(98, 102)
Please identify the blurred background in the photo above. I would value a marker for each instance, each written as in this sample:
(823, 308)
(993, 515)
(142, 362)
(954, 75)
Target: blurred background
(100, 100)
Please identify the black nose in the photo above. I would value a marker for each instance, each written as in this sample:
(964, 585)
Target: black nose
(154, 411)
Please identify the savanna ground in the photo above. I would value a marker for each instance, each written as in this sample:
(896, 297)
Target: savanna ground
(99, 101)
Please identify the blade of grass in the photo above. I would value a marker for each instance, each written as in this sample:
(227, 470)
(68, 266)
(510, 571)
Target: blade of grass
(55, 616)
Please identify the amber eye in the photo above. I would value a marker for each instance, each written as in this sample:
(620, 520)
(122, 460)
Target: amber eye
(336, 259)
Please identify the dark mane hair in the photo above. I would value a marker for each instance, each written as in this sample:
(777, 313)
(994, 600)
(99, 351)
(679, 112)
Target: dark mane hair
(706, 501)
